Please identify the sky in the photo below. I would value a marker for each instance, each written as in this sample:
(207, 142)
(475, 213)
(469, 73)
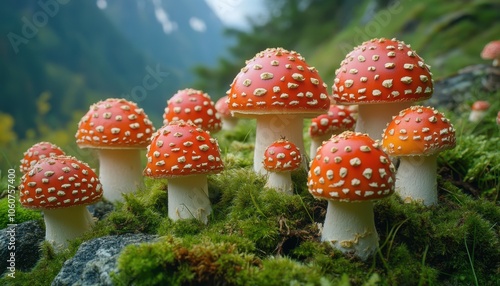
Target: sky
(234, 12)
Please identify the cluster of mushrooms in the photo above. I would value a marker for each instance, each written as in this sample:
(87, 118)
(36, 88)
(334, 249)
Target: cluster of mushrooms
(356, 133)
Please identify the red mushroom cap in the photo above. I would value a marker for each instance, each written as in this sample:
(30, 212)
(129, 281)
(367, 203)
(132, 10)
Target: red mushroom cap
(498, 118)
(114, 123)
(182, 149)
(480, 105)
(338, 119)
(418, 130)
(59, 182)
(382, 70)
(282, 156)
(491, 51)
(351, 167)
(194, 106)
(278, 81)
(222, 107)
(39, 151)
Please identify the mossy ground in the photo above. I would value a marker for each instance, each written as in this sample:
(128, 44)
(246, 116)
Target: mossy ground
(256, 236)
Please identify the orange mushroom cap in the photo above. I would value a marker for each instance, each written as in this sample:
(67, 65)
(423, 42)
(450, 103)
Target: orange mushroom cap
(59, 182)
(114, 123)
(480, 105)
(182, 149)
(278, 81)
(418, 130)
(351, 167)
(338, 119)
(222, 107)
(382, 70)
(491, 51)
(194, 106)
(39, 151)
(282, 156)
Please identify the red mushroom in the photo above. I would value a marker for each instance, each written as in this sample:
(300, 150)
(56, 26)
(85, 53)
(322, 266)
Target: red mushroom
(478, 110)
(416, 136)
(337, 120)
(498, 118)
(38, 151)
(492, 52)
(228, 120)
(61, 187)
(280, 159)
(184, 154)
(279, 89)
(118, 129)
(383, 77)
(350, 170)
(191, 105)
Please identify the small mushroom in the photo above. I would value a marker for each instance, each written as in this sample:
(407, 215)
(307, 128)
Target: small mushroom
(337, 120)
(36, 152)
(61, 187)
(478, 110)
(228, 120)
(350, 170)
(191, 105)
(492, 52)
(383, 77)
(280, 159)
(184, 154)
(416, 136)
(279, 89)
(118, 130)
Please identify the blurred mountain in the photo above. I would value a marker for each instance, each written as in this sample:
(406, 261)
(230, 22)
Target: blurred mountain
(59, 56)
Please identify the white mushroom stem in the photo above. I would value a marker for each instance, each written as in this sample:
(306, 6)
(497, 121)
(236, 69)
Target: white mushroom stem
(120, 172)
(281, 182)
(373, 118)
(272, 127)
(229, 122)
(316, 142)
(416, 179)
(188, 198)
(65, 224)
(350, 228)
(477, 115)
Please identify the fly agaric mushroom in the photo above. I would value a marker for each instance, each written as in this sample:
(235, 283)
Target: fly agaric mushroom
(498, 118)
(478, 110)
(118, 130)
(38, 151)
(280, 159)
(383, 77)
(277, 88)
(228, 120)
(350, 170)
(337, 120)
(184, 154)
(492, 52)
(416, 136)
(191, 105)
(61, 187)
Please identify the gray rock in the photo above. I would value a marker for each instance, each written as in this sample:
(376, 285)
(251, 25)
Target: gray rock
(28, 236)
(96, 259)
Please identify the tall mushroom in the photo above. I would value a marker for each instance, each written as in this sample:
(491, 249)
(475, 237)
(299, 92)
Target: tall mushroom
(184, 154)
(118, 130)
(337, 120)
(383, 77)
(194, 106)
(280, 159)
(228, 120)
(279, 89)
(416, 136)
(350, 170)
(36, 152)
(61, 187)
